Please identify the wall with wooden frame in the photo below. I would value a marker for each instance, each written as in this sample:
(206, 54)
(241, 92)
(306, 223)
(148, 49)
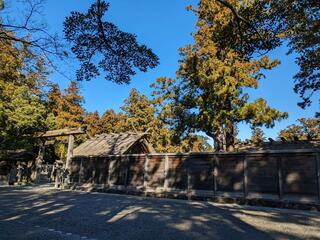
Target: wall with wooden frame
(278, 174)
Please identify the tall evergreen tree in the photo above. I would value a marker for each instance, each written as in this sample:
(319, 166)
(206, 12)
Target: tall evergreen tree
(209, 92)
(112, 122)
(274, 23)
(72, 112)
(257, 136)
(140, 117)
(140, 114)
(23, 107)
(92, 122)
(67, 106)
(143, 114)
(68, 112)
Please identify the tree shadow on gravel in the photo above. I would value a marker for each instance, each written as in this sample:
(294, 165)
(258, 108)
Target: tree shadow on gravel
(108, 216)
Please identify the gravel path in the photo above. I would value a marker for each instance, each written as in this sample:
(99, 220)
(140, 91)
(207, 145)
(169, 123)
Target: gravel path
(44, 213)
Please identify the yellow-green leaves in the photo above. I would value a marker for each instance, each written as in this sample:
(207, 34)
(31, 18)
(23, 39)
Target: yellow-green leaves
(215, 72)
(23, 109)
(308, 128)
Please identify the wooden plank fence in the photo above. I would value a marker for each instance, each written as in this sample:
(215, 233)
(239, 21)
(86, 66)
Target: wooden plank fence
(275, 174)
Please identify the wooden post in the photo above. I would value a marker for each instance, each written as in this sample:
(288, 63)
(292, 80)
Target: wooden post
(93, 170)
(215, 175)
(111, 171)
(127, 159)
(146, 175)
(280, 186)
(80, 173)
(39, 161)
(245, 177)
(105, 178)
(70, 151)
(318, 174)
(41, 152)
(166, 171)
(189, 182)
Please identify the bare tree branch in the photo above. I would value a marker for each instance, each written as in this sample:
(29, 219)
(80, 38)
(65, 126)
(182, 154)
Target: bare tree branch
(32, 34)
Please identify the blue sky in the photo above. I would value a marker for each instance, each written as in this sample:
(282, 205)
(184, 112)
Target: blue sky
(165, 26)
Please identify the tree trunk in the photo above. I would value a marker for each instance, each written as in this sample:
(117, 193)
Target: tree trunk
(217, 139)
(229, 130)
(230, 138)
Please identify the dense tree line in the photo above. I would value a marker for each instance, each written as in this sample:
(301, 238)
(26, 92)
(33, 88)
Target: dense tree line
(138, 114)
(208, 95)
(306, 129)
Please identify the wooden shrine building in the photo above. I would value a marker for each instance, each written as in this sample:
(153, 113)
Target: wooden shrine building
(114, 144)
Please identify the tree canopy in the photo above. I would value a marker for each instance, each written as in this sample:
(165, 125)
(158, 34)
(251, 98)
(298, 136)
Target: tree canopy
(307, 129)
(209, 95)
(209, 92)
(101, 46)
(257, 136)
(23, 105)
(274, 23)
(142, 115)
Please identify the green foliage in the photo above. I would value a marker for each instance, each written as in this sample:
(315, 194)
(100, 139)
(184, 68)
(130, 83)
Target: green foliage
(92, 122)
(257, 136)
(68, 111)
(150, 115)
(141, 116)
(21, 114)
(23, 107)
(264, 25)
(300, 24)
(67, 106)
(307, 129)
(118, 53)
(209, 92)
(112, 122)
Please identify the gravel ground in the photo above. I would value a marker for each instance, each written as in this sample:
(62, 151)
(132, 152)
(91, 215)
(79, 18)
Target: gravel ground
(45, 213)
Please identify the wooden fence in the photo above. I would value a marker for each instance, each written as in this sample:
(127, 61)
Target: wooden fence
(281, 175)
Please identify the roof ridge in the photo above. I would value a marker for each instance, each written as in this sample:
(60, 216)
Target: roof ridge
(108, 143)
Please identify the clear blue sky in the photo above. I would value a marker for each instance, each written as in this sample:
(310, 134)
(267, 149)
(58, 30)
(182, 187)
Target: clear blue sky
(165, 26)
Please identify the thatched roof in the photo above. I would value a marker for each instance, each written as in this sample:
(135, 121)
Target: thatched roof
(112, 144)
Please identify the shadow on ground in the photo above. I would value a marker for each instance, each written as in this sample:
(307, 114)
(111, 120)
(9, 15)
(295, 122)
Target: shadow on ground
(31, 212)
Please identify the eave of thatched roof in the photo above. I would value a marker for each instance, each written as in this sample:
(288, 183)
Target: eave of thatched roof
(110, 144)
